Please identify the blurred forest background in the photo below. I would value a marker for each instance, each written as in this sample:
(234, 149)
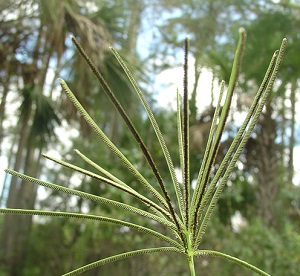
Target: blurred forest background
(258, 214)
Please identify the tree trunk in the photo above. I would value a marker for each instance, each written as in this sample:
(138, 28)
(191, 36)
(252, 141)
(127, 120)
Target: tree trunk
(10, 222)
(2, 108)
(136, 7)
(267, 169)
(26, 199)
(292, 137)
(193, 100)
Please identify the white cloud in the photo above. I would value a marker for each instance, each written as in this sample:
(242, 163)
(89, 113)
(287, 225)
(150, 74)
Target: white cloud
(169, 80)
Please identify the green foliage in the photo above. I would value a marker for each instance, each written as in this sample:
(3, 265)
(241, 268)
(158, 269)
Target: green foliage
(184, 217)
(267, 246)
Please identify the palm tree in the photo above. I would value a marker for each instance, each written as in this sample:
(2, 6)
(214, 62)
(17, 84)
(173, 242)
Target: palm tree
(42, 29)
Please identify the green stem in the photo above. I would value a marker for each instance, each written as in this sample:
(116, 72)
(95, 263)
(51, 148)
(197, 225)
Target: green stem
(191, 265)
(190, 254)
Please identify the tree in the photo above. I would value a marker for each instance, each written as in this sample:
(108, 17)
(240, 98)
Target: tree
(36, 47)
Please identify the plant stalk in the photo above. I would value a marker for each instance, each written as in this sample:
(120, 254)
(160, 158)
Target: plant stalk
(190, 254)
(191, 264)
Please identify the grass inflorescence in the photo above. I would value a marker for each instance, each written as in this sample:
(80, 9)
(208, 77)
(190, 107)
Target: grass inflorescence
(187, 215)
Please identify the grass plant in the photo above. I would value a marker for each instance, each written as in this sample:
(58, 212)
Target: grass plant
(186, 216)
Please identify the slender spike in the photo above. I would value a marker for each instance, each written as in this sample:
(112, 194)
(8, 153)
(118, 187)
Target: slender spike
(131, 127)
(121, 257)
(100, 169)
(209, 143)
(240, 133)
(153, 122)
(129, 190)
(211, 253)
(95, 198)
(180, 148)
(179, 129)
(159, 136)
(257, 112)
(200, 189)
(92, 217)
(111, 146)
(203, 179)
(185, 134)
(113, 178)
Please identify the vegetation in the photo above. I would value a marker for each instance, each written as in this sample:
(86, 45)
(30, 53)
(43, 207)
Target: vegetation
(194, 210)
(257, 215)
